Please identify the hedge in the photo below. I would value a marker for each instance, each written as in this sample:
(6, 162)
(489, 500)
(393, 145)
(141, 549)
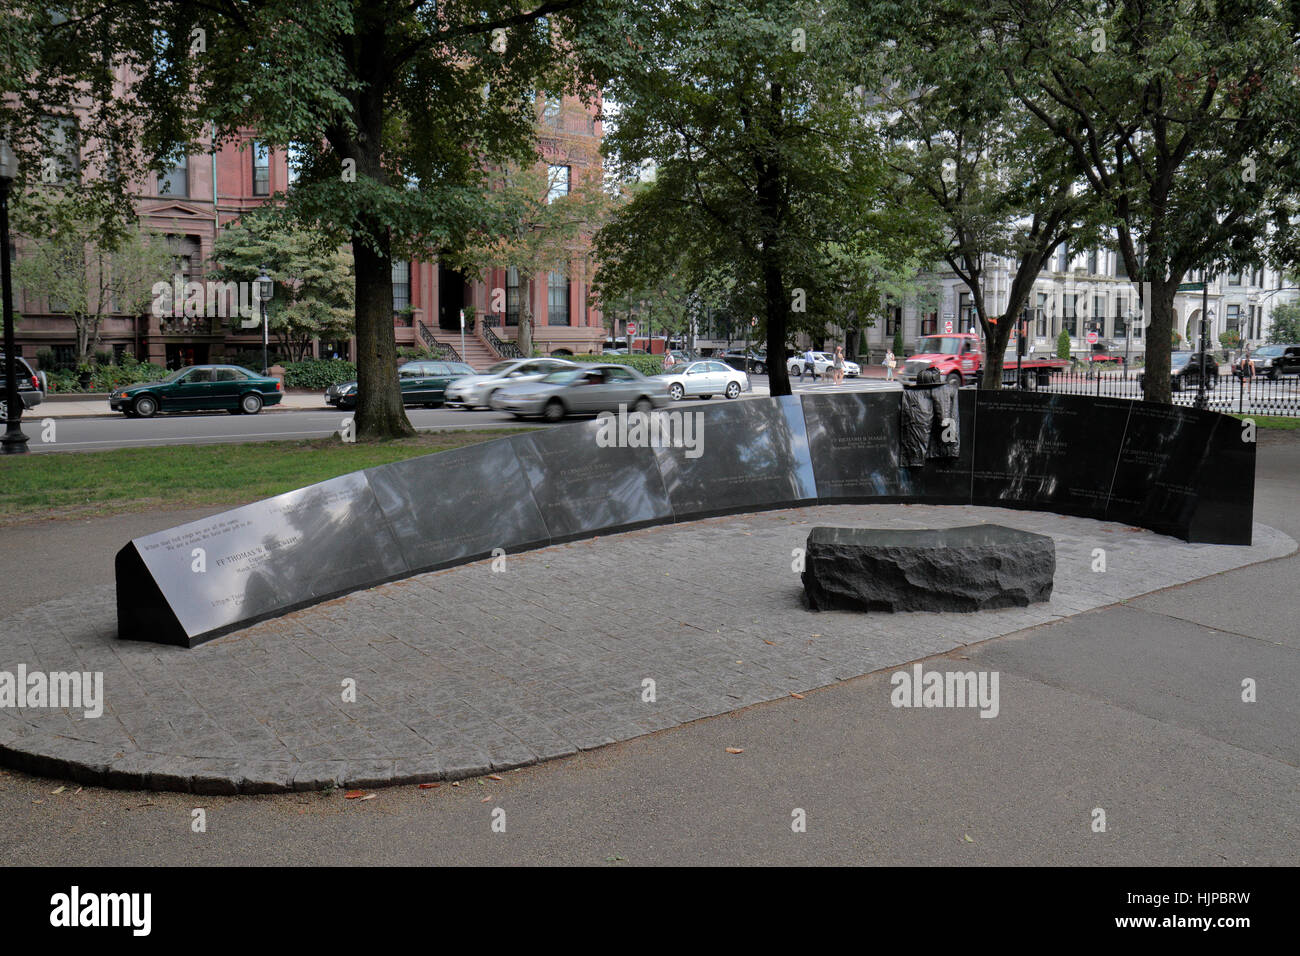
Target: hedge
(645, 364)
(317, 374)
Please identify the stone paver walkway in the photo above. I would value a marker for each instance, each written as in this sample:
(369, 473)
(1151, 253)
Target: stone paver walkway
(473, 669)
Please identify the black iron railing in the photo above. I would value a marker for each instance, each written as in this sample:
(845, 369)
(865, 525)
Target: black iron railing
(507, 350)
(441, 349)
(1224, 392)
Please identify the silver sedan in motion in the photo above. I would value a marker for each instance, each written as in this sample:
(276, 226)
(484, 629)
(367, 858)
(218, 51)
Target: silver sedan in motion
(585, 389)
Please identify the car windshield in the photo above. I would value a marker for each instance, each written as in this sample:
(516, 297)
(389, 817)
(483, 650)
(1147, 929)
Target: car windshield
(176, 375)
(941, 344)
(1180, 358)
(500, 368)
(567, 375)
(1270, 351)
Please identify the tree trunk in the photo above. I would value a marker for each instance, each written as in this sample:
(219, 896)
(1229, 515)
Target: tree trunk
(1155, 377)
(524, 337)
(380, 413)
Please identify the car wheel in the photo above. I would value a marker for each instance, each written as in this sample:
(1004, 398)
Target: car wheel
(643, 405)
(733, 390)
(706, 397)
(676, 392)
(554, 410)
(145, 406)
(954, 378)
(251, 403)
(760, 369)
(1272, 375)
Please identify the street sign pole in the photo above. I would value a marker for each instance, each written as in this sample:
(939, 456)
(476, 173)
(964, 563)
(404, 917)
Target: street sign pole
(1200, 378)
(462, 335)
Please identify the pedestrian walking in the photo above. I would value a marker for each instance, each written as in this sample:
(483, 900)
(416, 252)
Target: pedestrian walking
(839, 365)
(669, 361)
(1247, 369)
(809, 364)
(889, 363)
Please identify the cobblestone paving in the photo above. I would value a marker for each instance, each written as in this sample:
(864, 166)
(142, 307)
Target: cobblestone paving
(468, 670)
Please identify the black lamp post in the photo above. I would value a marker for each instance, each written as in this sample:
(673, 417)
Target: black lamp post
(265, 290)
(14, 441)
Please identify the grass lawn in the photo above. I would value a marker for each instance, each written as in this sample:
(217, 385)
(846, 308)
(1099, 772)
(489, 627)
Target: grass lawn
(87, 484)
(1272, 421)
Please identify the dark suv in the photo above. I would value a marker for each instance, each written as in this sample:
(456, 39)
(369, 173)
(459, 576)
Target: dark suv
(1185, 370)
(29, 386)
(1273, 361)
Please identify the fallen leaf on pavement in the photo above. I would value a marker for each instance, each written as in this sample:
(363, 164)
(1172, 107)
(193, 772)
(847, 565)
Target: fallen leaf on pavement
(354, 794)
(494, 776)
(429, 786)
(796, 696)
(735, 750)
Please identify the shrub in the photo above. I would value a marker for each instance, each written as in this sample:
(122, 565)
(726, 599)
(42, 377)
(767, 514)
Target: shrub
(1063, 345)
(317, 374)
(898, 349)
(645, 364)
(45, 358)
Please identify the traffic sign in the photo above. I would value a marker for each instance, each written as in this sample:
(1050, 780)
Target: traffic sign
(947, 327)
(1092, 338)
(631, 328)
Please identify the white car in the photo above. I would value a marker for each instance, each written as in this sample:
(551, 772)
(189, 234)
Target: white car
(704, 379)
(473, 391)
(822, 363)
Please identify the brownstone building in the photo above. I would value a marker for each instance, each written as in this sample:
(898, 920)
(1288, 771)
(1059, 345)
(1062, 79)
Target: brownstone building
(207, 190)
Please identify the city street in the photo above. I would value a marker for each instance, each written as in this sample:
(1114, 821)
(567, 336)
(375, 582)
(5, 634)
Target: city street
(300, 416)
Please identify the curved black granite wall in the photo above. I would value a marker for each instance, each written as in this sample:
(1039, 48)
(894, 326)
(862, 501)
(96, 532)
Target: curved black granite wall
(1178, 471)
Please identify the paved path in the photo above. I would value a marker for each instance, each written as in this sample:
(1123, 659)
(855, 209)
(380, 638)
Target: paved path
(469, 670)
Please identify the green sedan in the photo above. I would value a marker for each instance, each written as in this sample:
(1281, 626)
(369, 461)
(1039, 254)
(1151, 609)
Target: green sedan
(231, 387)
(422, 383)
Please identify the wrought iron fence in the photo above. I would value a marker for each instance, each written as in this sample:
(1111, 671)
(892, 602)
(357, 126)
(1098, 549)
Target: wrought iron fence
(1223, 392)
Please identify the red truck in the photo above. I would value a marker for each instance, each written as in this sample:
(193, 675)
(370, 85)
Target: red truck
(959, 358)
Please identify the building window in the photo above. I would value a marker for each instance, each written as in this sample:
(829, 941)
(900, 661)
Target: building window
(1070, 316)
(1234, 278)
(557, 299)
(557, 178)
(1121, 267)
(893, 316)
(401, 286)
(261, 169)
(1233, 319)
(176, 181)
(1062, 258)
(1040, 316)
(929, 323)
(65, 356)
(553, 112)
(62, 164)
(966, 317)
(512, 296)
(1092, 262)
(1099, 313)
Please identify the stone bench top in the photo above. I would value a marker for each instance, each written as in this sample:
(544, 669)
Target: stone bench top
(969, 536)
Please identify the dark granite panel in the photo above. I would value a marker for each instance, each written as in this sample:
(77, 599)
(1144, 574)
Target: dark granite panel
(1047, 452)
(264, 558)
(754, 455)
(1186, 473)
(853, 440)
(946, 480)
(583, 481)
(459, 505)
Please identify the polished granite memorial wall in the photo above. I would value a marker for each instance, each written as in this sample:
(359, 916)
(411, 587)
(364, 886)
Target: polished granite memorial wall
(1177, 471)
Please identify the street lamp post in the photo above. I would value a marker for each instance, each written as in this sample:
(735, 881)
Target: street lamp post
(1200, 374)
(265, 290)
(14, 441)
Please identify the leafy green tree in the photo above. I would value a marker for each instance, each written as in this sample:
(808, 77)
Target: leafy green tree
(998, 185)
(395, 112)
(1284, 327)
(535, 227)
(83, 268)
(314, 286)
(1181, 115)
(742, 116)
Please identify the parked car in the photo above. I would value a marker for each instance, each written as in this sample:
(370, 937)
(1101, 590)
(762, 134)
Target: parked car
(422, 383)
(704, 379)
(231, 387)
(582, 389)
(474, 391)
(30, 389)
(755, 361)
(1185, 371)
(822, 362)
(1273, 361)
